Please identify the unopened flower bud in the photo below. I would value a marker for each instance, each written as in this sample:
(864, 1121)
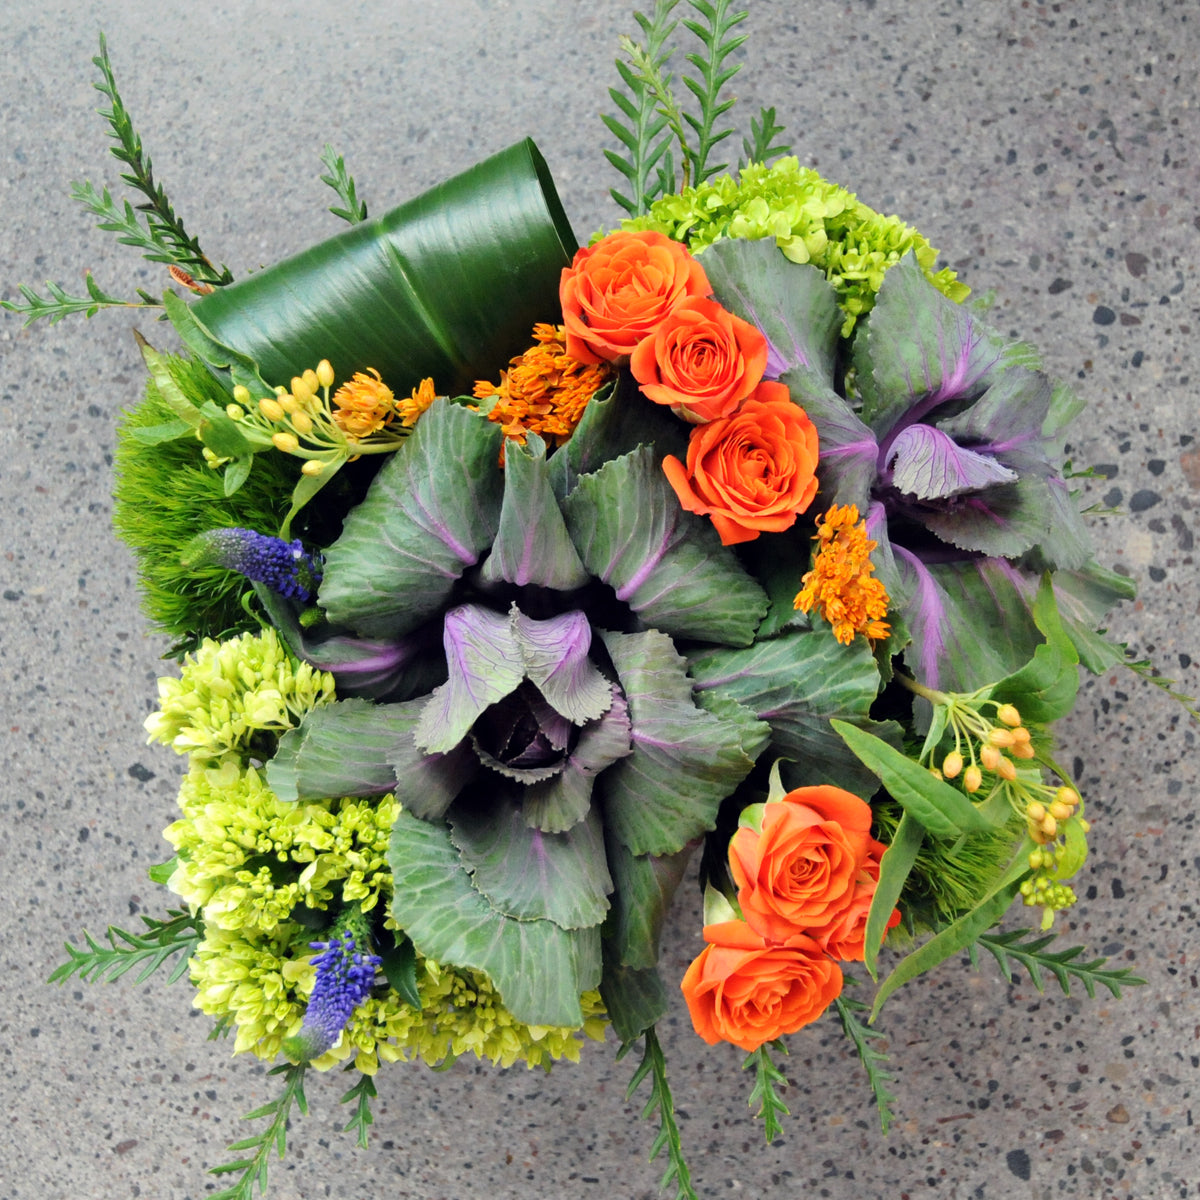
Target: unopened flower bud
(324, 373)
(311, 380)
(952, 765)
(1020, 735)
(286, 442)
(972, 778)
(1049, 825)
(990, 757)
(1060, 811)
(241, 395)
(300, 389)
(1036, 811)
(302, 422)
(271, 409)
(1009, 715)
(314, 466)
(234, 412)
(289, 402)
(1000, 737)
(1066, 795)
(1006, 769)
(1023, 750)
(935, 772)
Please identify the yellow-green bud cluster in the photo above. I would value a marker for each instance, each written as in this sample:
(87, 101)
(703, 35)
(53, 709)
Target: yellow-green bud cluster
(980, 745)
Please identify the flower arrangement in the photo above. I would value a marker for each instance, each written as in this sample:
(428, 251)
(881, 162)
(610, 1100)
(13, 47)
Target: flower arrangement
(760, 549)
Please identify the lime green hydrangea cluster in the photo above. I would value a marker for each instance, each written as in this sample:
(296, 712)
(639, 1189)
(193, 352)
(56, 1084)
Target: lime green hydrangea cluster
(235, 698)
(251, 863)
(811, 220)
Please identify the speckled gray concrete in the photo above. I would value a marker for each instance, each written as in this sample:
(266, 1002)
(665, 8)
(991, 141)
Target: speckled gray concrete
(1051, 151)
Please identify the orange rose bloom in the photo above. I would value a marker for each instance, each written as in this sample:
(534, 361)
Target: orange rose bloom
(744, 991)
(701, 361)
(845, 938)
(617, 292)
(750, 472)
(802, 871)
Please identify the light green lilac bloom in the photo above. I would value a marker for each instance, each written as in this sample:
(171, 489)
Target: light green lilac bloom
(811, 220)
(231, 694)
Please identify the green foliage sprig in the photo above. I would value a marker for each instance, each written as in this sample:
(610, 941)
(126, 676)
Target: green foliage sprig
(875, 1062)
(646, 102)
(61, 304)
(717, 43)
(362, 1093)
(254, 1168)
(179, 934)
(768, 1077)
(353, 210)
(1008, 948)
(761, 144)
(169, 241)
(654, 1067)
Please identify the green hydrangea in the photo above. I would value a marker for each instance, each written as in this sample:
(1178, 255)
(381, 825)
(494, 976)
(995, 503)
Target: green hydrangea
(235, 698)
(811, 220)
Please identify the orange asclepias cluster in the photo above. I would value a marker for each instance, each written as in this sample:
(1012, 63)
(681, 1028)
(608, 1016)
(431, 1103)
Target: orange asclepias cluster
(841, 584)
(545, 389)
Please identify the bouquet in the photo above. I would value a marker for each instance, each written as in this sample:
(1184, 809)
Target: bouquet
(511, 583)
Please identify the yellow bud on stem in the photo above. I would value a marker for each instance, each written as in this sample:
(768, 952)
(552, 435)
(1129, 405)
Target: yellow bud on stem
(972, 778)
(271, 409)
(324, 373)
(287, 442)
(1006, 769)
(990, 757)
(1000, 737)
(1009, 715)
(952, 765)
(314, 466)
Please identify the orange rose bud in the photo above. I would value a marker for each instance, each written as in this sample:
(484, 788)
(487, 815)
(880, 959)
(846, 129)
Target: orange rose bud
(747, 992)
(617, 292)
(701, 361)
(801, 871)
(751, 472)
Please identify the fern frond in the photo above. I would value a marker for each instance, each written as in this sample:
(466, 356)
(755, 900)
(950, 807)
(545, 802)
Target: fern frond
(179, 934)
(1145, 669)
(767, 1078)
(654, 1066)
(353, 210)
(874, 1061)
(717, 44)
(760, 145)
(170, 238)
(60, 304)
(254, 1168)
(362, 1093)
(1007, 948)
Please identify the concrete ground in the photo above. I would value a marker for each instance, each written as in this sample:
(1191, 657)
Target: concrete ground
(1052, 151)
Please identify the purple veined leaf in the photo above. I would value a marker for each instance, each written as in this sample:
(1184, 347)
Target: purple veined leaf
(485, 665)
(555, 657)
(522, 738)
(926, 463)
(848, 454)
(920, 350)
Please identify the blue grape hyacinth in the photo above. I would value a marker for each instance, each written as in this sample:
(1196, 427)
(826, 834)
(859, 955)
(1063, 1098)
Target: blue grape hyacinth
(285, 567)
(345, 976)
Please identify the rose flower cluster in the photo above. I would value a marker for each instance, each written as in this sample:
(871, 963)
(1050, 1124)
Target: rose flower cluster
(642, 300)
(806, 868)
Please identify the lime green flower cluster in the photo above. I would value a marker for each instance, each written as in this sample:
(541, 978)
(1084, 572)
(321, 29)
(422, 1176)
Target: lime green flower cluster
(251, 863)
(811, 220)
(234, 698)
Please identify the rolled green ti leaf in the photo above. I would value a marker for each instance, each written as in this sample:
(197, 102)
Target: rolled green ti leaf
(447, 286)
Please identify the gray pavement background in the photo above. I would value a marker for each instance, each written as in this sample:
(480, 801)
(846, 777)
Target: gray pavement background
(1050, 150)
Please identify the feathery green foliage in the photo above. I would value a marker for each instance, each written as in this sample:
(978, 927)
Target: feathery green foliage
(362, 1093)
(761, 145)
(62, 304)
(1007, 948)
(164, 492)
(768, 1077)
(717, 43)
(179, 934)
(874, 1061)
(654, 1066)
(1146, 670)
(254, 1169)
(164, 238)
(353, 210)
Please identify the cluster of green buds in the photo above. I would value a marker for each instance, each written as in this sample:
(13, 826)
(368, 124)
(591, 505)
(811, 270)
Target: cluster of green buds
(990, 760)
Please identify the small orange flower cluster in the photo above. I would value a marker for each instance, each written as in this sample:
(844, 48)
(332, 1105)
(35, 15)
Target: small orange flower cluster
(641, 299)
(365, 405)
(806, 868)
(841, 584)
(545, 389)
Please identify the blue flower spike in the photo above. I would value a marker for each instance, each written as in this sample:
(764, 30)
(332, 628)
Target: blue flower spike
(345, 976)
(285, 567)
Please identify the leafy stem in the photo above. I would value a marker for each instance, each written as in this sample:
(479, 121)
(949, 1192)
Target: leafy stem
(717, 45)
(654, 1066)
(353, 210)
(61, 304)
(254, 1168)
(875, 1062)
(362, 1093)
(768, 1077)
(164, 230)
(179, 934)
(1007, 948)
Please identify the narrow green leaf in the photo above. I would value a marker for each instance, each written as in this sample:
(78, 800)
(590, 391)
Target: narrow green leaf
(894, 870)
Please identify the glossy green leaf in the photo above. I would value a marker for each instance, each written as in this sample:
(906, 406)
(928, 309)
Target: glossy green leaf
(446, 286)
(894, 868)
(941, 808)
(399, 964)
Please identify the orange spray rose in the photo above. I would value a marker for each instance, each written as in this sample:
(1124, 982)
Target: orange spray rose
(616, 292)
(807, 865)
(753, 471)
(743, 990)
(701, 361)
